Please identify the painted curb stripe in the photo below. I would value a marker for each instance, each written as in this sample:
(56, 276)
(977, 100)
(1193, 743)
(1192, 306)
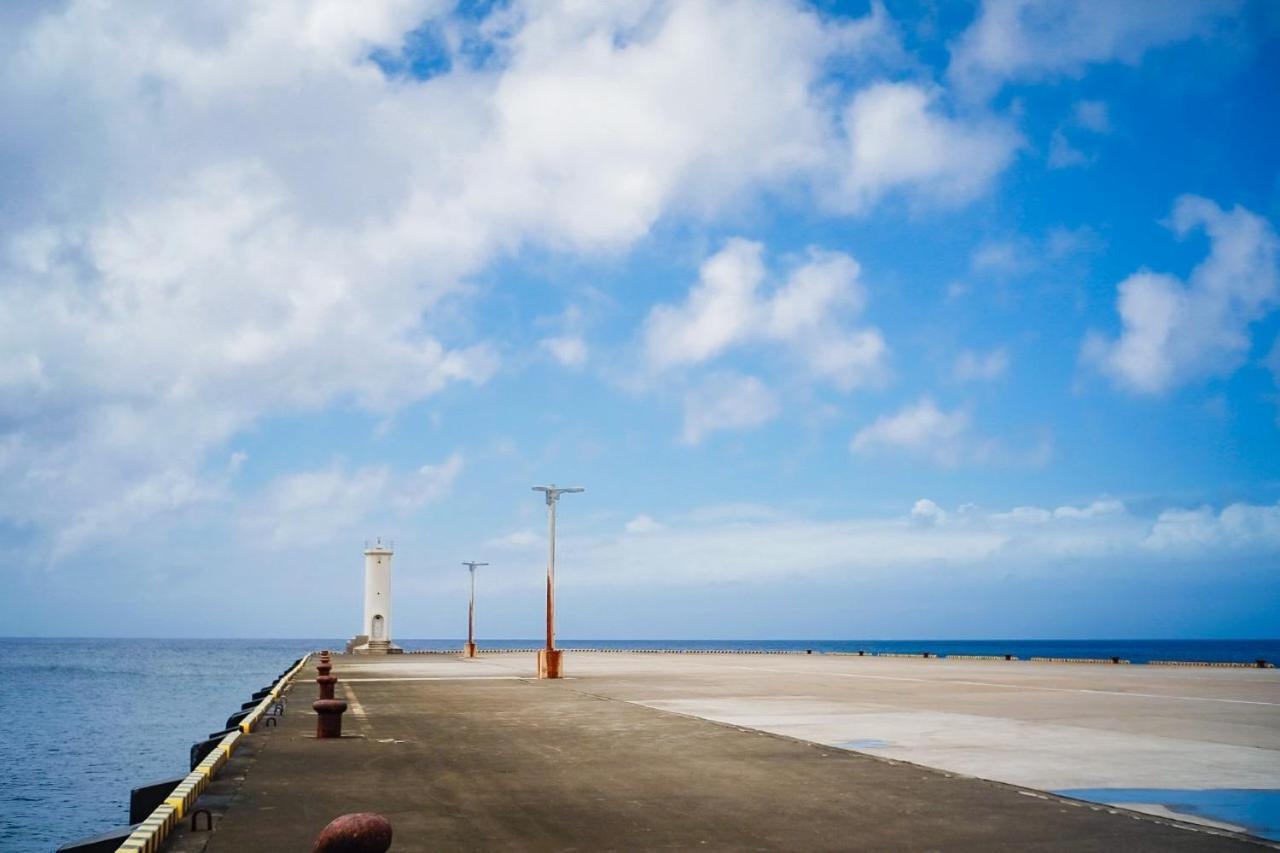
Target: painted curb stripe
(152, 832)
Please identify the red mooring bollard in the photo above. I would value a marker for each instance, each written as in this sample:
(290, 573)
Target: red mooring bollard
(329, 717)
(363, 832)
(325, 680)
(359, 833)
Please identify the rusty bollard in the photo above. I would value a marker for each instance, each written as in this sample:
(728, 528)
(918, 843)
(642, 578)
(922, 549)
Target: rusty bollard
(363, 832)
(325, 680)
(329, 717)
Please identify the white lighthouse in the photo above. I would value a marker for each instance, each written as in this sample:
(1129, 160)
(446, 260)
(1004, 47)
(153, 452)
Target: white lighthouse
(375, 633)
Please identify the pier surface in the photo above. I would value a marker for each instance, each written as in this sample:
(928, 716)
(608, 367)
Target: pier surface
(760, 752)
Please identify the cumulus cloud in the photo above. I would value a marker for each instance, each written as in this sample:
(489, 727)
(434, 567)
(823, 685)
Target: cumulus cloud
(927, 513)
(810, 314)
(1176, 332)
(726, 401)
(900, 139)
(1031, 40)
(1237, 527)
(217, 215)
(921, 428)
(945, 437)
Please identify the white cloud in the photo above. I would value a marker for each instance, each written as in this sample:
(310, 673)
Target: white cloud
(429, 483)
(317, 507)
(568, 350)
(726, 401)
(927, 513)
(972, 366)
(1087, 117)
(166, 491)
(1238, 527)
(1029, 40)
(219, 214)
(809, 314)
(642, 524)
(1101, 507)
(899, 139)
(518, 540)
(1174, 332)
(946, 438)
(921, 428)
(1005, 257)
(970, 540)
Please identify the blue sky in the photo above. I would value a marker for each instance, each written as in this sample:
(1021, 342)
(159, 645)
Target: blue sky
(855, 320)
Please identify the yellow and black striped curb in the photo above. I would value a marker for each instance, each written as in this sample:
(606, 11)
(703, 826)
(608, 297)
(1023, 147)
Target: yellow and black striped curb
(152, 832)
(247, 724)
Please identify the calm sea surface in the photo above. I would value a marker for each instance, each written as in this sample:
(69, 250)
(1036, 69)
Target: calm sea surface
(86, 720)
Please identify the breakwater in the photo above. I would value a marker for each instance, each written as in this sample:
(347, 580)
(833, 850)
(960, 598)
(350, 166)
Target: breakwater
(90, 719)
(475, 754)
(156, 808)
(167, 693)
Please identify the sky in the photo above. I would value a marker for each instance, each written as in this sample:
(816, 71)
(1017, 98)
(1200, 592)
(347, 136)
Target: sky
(855, 320)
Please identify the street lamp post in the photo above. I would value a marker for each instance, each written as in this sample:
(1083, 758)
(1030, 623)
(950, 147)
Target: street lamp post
(549, 658)
(471, 609)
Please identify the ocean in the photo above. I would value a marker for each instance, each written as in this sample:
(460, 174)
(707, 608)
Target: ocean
(85, 720)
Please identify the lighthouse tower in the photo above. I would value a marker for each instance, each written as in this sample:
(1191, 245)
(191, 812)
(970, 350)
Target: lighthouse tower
(375, 636)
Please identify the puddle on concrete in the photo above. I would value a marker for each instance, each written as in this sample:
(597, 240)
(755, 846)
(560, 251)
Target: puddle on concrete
(865, 743)
(1257, 810)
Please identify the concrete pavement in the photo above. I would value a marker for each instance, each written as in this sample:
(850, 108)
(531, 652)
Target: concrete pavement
(681, 751)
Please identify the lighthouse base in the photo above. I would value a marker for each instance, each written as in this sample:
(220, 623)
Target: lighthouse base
(362, 645)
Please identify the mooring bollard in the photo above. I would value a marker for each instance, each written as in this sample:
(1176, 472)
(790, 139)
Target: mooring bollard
(363, 832)
(324, 679)
(329, 717)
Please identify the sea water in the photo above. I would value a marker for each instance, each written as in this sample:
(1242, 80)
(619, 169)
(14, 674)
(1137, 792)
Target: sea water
(86, 720)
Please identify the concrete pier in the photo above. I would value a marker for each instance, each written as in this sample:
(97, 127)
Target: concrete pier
(763, 752)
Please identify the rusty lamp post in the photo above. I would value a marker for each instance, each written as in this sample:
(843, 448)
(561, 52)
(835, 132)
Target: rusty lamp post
(471, 609)
(549, 658)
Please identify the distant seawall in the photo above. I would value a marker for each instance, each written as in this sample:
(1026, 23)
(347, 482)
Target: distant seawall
(1255, 664)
